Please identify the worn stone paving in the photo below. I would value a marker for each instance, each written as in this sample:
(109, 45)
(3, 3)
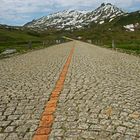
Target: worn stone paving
(100, 99)
(26, 82)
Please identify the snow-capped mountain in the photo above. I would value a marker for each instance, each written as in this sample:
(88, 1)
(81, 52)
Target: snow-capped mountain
(76, 19)
(106, 12)
(59, 20)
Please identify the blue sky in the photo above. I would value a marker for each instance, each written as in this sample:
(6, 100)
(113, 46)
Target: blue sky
(19, 12)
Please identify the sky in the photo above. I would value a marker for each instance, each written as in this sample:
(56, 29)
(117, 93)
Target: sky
(19, 12)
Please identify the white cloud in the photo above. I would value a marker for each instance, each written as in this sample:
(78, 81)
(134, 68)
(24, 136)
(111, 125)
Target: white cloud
(25, 9)
(121, 3)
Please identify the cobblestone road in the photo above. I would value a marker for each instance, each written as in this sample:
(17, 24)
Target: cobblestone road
(26, 82)
(100, 99)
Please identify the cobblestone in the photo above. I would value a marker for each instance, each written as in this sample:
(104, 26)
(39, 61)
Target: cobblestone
(3, 136)
(100, 96)
(100, 99)
(26, 82)
(9, 129)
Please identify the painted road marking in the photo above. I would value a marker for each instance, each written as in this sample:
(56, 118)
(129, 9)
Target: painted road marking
(47, 119)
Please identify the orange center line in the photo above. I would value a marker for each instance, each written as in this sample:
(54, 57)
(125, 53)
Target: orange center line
(47, 118)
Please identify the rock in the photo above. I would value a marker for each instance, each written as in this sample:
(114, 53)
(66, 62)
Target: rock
(9, 51)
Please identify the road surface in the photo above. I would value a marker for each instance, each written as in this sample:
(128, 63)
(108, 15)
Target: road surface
(100, 98)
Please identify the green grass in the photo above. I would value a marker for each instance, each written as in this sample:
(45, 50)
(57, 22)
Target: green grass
(10, 38)
(19, 39)
(15, 35)
(130, 47)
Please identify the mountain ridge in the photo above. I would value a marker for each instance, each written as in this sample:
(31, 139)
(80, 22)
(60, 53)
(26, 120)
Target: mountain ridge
(75, 19)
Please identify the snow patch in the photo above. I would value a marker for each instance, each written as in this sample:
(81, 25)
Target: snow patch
(111, 19)
(130, 27)
(101, 22)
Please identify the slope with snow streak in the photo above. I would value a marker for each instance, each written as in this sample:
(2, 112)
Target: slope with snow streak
(70, 19)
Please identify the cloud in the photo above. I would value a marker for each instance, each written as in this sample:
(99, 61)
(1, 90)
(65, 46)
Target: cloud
(21, 11)
(125, 4)
(17, 10)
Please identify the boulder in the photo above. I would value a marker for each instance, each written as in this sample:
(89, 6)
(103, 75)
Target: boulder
(9, 51)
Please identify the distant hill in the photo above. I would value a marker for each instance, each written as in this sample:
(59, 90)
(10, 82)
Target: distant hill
(18, 38)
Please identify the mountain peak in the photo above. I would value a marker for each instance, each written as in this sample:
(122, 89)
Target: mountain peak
(109, 9)
(108, 4)
(103, 4)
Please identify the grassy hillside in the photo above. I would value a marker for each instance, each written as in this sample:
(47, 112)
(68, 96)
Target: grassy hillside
(133, 17)
(20, 39)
